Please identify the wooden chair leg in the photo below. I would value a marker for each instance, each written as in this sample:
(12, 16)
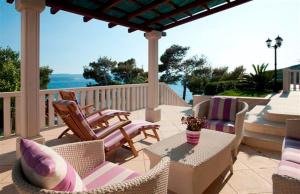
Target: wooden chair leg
(145, 134)
(63, 133)
(130, 142)
(156, 134)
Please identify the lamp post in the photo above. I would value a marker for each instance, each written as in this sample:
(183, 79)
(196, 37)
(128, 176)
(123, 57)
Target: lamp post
(277, 44)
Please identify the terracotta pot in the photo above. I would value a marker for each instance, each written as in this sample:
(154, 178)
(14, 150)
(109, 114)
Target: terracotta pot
(192, 137)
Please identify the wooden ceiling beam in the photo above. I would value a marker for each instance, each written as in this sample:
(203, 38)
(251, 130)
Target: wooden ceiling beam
(144, 8)
(206, 13)
(53, 10)
(58, 4)
(174, 12)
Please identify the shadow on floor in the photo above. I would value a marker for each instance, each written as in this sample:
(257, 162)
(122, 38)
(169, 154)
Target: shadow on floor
(9, 189)
(188, 112)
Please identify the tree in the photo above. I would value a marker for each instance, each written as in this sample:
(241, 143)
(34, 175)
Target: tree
(188, 67)
(171, 61)
(260, 78)
(219, 74)
(45, 73)
(127, 73)
(236, 74)
(199, 79)
(100, 71)
(9, 70)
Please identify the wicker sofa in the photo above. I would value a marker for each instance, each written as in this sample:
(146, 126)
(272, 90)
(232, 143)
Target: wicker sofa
(202, 110)
(84, 156)
(287, 178)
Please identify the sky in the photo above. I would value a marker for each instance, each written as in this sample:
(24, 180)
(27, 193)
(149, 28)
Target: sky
(230, 38)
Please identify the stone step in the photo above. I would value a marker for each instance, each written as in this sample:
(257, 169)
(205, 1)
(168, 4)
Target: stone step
(262, 141)
(271, 115)
(257, 123)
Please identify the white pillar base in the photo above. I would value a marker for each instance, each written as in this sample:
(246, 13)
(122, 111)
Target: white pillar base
(39, 139)
(153, 115)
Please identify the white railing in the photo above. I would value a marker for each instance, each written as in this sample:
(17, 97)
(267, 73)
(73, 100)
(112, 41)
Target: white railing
(123, 97)
(291, 80)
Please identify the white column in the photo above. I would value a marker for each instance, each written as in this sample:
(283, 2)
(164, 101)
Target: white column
(30, 62)
(286, 78)
(153, 113)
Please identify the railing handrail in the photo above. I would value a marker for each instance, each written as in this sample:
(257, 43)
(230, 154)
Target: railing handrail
(128, 97)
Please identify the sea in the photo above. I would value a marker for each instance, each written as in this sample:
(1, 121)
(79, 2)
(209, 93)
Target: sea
(58, 81)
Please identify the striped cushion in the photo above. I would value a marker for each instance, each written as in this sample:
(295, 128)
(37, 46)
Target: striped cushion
(222, 109)
(112, 112)
(223, 126)
(44, 168)
(291, 154)
(108, 173)
(133, 129)
(116, 138)
(290, 169)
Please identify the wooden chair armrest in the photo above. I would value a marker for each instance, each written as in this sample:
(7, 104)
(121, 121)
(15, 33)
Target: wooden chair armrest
(86, 106)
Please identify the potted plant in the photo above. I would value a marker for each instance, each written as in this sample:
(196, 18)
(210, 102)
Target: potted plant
(193, 128)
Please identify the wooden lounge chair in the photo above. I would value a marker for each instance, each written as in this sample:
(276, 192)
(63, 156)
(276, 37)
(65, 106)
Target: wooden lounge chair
(70, 95)
(115, 135)
(86, 157)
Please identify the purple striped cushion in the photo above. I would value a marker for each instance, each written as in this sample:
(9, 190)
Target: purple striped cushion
(290, 169)
(223, 126)
(116, 138)
(108, 173)
(44, 168)
(222, 109)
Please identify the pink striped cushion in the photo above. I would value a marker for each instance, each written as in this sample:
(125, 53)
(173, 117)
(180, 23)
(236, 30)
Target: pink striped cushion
(44, 168)
(222, 109)
(132, 129)
(290, 169)
(223, 126)
(108, 173)
(112, 112)
(116, 138)
(291, 154)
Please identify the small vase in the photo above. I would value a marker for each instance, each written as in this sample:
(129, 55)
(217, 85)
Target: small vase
(192, 137)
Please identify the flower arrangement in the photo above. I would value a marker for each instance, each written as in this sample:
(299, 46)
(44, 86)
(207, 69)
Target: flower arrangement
(194, 123)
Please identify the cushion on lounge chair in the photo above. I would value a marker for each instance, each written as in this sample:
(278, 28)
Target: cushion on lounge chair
(108, 173)
(116, 138)
(112, 112)
(46, 169)
(222, 109)
(290, 169)
(219, 125)
(291, 154)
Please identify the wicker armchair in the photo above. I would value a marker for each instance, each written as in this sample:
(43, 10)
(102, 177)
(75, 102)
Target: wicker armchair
(202, 110)
(287, 178)
(84, 156)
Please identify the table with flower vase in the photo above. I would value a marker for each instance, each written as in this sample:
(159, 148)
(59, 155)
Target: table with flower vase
(194, 167)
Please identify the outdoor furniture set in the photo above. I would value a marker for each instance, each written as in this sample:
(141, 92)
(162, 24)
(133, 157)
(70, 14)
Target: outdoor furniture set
(199, 164)
(287, 178)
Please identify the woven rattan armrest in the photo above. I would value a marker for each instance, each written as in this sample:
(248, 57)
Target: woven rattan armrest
(83, 156)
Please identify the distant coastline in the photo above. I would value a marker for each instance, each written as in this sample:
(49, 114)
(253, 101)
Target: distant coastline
(77, 80)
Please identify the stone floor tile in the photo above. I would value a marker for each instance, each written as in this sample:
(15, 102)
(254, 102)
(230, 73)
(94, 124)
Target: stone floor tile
(247, 181)
(136, 165)
(266, 173)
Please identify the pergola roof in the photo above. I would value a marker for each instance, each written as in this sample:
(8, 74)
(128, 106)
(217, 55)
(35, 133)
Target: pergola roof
(144, 15)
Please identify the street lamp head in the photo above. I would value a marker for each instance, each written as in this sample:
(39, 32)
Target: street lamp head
(278, 41)
(269, 41)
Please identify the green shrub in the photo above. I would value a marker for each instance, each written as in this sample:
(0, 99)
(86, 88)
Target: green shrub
(214, 88)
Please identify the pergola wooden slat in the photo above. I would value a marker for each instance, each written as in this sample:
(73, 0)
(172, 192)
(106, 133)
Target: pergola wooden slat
(158, 15)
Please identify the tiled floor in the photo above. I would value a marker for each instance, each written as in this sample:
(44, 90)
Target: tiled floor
(253, 169)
